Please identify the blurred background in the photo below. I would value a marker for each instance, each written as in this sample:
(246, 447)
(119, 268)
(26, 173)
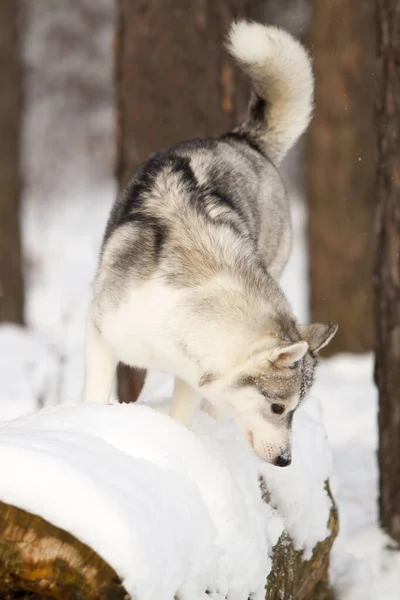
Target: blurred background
(88, 89)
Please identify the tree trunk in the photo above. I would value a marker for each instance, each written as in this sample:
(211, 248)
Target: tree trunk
(387, 274)
(11, 281)
(174, 82)
(341, 171)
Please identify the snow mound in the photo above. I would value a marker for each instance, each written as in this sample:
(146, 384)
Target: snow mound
(173, 511)
(28, 372)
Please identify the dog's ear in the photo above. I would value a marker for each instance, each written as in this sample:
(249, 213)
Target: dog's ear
(317, 335)
(287, 355)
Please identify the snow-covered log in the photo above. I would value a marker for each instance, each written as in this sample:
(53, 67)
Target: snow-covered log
(120, 501)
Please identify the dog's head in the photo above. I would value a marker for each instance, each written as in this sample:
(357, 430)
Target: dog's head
(263, 393)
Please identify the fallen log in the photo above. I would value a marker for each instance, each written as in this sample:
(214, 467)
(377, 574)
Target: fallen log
(56, 555)
(44, 561)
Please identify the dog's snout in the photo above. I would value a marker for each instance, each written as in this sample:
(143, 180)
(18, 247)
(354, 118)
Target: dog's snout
(283, 461)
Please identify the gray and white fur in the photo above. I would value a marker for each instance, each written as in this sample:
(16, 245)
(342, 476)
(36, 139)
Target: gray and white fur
(187, 281)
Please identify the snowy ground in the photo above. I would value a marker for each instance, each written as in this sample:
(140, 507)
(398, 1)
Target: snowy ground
(44, 365)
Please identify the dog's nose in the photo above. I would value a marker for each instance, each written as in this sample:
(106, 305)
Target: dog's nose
(281, 461)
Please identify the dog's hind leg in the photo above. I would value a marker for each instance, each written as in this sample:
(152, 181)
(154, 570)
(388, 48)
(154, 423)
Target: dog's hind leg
(100, 366)
(185, 402)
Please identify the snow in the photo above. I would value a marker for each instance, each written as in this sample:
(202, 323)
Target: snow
(365, 562)
(44, 364)
(85, 451)
(28, 372)
(59, 281)
(138, 516)
(117, 453)
(171, 510)
(296, 491)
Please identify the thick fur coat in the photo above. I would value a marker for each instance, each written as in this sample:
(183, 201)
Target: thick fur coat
(188, 277)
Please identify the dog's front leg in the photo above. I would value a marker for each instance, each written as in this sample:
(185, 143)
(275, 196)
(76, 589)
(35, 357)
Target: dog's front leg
(185, 402)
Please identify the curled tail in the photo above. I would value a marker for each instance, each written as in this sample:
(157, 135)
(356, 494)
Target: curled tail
(280, 71)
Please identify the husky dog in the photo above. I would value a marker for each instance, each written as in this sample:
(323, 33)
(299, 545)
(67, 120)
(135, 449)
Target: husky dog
(187, 281)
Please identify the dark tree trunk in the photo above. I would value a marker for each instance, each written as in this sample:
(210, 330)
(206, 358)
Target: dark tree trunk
(387, 276)
(11, 281)
(292, 15)
(341, 171)
(174, 82)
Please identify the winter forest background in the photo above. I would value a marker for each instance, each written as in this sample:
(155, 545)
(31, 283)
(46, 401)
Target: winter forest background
(89, 88)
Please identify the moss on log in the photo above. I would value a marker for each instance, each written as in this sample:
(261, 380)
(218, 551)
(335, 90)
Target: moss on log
(39, 560)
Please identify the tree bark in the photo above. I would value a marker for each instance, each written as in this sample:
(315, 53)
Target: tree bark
(387, 273)
(11, 280)
(38, 557)
(341, 171)
(174, 82)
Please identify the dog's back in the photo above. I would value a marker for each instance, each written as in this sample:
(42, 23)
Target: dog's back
(193, 210)
(185, 205)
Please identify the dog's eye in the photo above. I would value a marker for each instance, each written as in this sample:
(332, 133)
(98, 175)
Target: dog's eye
(277, 409)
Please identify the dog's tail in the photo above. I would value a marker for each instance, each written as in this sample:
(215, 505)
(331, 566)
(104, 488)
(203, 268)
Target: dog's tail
(280, 70)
